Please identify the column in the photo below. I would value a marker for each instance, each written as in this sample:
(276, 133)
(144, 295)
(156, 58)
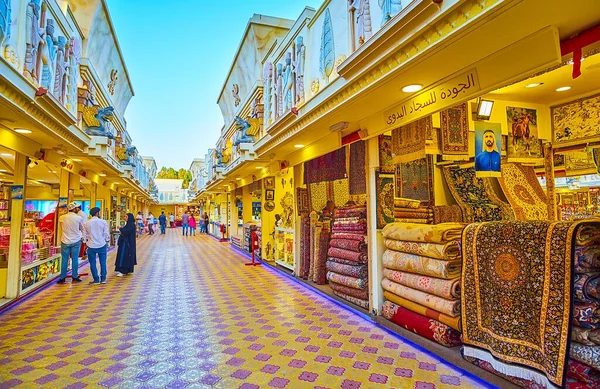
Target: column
(17, 210)
(375, 238)
(93, 194)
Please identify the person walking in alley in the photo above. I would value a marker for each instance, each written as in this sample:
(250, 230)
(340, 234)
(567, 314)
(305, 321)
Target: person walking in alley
(192, 224)
(205, 217)
(150, 224)
(163, 223)
(96, 236)
(140, 223)
(172, 220)
(126, 251)
(185, 218)
(71, 226)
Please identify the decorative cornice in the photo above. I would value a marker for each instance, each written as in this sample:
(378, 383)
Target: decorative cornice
(435, 32)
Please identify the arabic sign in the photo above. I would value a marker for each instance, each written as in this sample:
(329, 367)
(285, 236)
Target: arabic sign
(437, 98)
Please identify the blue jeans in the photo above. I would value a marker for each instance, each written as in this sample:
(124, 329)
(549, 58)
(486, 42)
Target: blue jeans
(66, 251)
(163, 228)
(184, 228)
(101, 254)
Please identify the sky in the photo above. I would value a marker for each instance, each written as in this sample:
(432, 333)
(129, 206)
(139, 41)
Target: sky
(177, 54)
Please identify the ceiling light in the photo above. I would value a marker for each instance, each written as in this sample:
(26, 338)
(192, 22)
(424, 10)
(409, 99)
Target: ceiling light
(259, 167)
(237, 178)
(76, 159)
(298, 146)
(22, 131)
(6, 154)
(52, 171)
(533, 85)
(412, 88)
(102, 174)
(2, 170)
(484, 109)
(563, 88)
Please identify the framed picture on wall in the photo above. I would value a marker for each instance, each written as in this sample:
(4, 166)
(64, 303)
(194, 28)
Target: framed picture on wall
(270, 195)
(270, 183)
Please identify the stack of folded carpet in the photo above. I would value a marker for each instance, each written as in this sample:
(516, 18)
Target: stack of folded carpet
(584, 362)
(422, 267)
(236, 241)
(410, 211)
(347, 257)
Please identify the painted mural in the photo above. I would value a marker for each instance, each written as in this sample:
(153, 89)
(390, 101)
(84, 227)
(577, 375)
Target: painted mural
(327, 57)
(576, 120)
(523, 139)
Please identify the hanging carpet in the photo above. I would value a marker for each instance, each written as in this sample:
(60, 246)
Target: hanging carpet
(328, 167)
(414, 180)
(524, 192)
(357, 172)
(516, 293)
(408, 142)
(454, 128)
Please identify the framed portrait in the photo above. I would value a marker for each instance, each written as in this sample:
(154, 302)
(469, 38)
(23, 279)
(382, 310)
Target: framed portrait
(270, 195)
(270, 183)
(488, 143)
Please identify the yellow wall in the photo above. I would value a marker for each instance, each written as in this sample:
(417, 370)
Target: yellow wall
(41, 193)
(157, 209)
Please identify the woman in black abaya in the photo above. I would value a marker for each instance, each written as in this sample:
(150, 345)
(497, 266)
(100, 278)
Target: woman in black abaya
(126, 253)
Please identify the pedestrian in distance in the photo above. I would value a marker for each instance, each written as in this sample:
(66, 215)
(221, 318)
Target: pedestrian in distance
(96, 236)
(140, 223)
(155, 226)
(150, 224)
(126, 250)
(172, 220)
(185, 218)
(205, 222)
(71, 226)
(163, 223)
(192, 224)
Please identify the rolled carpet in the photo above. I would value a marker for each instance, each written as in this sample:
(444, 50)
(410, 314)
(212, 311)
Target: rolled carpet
(360, 271)
(448, 251)
(585, 336)
(347, 254)
(586, 287)
(453, 322)
(343, 261)
(352, 282)
(421, 325)
(417, 264)
(362, 294)
(406, 203)
(357, 228)
(350, 212)
(431, 233)
(348, 244)
(361, 303)
(590, 355)
(586, 315)
(587, 235)
(348, 220)
(412, 213)
(583, 373)
(587, 259)
(448, 289)
(349, 236)
(448, 307)
(410, 220)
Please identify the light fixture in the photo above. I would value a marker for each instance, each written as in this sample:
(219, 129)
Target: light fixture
(259, 167)
(237, 178)
(22, 131)
(76, 159)
(563, 88)
(53, 171)
(6, 154)
(534, 84)
(570, 62)
(484, 109)
(32, 164)
(3, 170)
(298, 146)
(412, 88)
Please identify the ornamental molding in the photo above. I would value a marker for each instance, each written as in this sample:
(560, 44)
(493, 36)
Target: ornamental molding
(444, 27)
(33, 110)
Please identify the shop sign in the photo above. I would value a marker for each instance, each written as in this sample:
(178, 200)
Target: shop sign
(435, 99)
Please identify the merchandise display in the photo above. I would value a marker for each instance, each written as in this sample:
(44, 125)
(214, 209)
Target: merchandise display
(422, 268)
(347, 256)
(247, 239)
(284, 247)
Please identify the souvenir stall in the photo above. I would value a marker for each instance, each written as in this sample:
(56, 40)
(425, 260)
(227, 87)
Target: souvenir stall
(514, 175)
(246, 210)
(333, 223)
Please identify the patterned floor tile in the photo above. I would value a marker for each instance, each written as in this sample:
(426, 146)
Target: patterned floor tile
(193, 316)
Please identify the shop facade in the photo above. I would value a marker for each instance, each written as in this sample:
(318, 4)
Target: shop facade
(377, 128)
(63, 134)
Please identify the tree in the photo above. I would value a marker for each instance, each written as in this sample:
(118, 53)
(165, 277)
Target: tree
(181, 173)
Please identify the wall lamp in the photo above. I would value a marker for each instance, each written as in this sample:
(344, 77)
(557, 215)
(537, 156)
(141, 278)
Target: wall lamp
(484, 109)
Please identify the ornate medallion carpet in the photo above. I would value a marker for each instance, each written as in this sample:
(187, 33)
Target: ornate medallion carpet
(517, 294)
(193, 316)
(524, 192)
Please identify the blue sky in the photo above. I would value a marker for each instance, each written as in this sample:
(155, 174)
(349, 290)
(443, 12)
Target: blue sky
(178, 53)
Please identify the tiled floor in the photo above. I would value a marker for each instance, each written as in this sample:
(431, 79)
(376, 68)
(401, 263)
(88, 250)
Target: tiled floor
(193, 316)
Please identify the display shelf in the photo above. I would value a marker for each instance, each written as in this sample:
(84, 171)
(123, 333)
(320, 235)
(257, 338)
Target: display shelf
(39, 262)
(287, 266)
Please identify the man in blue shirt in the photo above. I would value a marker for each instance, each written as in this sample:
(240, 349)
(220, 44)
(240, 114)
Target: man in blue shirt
(489, 158)
(162, 219)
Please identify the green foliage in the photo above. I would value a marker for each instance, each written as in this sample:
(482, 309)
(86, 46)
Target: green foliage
(181, 174)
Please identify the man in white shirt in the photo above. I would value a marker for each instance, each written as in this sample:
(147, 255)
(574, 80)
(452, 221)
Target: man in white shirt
(71, 226)
(96, 236)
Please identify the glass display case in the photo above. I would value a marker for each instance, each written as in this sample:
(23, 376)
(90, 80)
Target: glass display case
(284, 247)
